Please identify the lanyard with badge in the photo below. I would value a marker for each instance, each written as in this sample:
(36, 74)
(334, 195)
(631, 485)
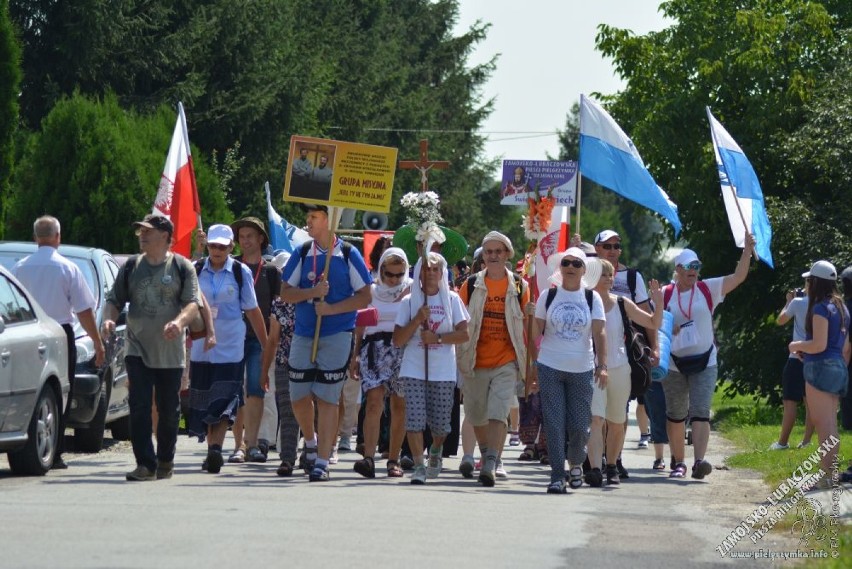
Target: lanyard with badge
(687, 336)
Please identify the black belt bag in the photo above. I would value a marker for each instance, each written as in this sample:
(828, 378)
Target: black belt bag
(690, 365)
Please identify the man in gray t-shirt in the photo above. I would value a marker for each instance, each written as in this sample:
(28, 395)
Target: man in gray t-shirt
(162, 291)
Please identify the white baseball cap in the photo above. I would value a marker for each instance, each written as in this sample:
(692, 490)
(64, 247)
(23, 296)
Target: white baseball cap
(685, 257)
(220, 235)
(822, 270)
(606, 235)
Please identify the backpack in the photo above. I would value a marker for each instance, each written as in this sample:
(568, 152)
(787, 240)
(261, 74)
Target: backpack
(631, 283)
(130, 265)
(668, 291)
(345, 248)
(551, 294)
(471, 283)
(638, 354)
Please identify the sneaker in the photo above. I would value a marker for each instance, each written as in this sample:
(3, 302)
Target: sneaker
(500, 472)
(214, 461)
(778, 446)
(644, 441)
(433, 468)
(622, 472)
(238, 457)
(345, 444)
(165, 470)
(557, 487)
(255, 455)
(803, 444)
(659, 464)
(59, 464)
(594, 478)
(514, 439)
(140, 474)
(487, 476)
(419, 476)
(318, 474)
(701, 468)
(333, 458)
(612, 475)
(467, 466)
(406, 462)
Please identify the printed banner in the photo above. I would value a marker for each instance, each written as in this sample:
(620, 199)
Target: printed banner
(343, 174)
(523, 177)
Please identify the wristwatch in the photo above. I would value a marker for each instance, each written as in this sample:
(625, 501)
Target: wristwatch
(601, 367)
(440, 339)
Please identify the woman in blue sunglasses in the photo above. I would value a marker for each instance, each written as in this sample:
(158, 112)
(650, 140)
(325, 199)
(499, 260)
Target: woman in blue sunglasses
(692, 375)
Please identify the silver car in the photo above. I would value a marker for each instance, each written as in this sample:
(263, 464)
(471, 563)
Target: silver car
(33, 379)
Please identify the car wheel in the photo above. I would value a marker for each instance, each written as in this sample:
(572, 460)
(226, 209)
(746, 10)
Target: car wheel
(36, 457)
(91, 439)
(121, 428)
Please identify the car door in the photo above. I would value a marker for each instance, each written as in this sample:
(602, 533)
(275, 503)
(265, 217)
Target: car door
(119, 400)
(23, 349)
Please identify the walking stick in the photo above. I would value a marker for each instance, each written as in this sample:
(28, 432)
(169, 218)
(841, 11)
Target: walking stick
(333, 220)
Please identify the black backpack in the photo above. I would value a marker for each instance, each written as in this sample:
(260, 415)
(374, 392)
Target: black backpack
(130, 264)
(638, 354)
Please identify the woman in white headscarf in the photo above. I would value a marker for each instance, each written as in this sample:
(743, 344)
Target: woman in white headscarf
(441, 319)
(376, 362)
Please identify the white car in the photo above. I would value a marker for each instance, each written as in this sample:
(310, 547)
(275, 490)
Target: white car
(34, 384)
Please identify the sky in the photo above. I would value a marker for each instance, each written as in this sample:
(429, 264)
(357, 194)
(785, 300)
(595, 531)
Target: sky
(547, 58)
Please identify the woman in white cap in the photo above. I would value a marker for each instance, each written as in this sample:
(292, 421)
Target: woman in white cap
(610, 403)
(216, 388)
(692, 375)
(570, 318)
(376, 363)
(825, 351)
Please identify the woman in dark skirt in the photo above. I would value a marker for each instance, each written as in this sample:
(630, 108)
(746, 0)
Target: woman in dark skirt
(216, 382)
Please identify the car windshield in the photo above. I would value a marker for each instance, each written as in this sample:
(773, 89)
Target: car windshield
(9, 258)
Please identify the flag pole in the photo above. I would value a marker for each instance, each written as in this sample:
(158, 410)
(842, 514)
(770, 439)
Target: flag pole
(728, 175)
(182, 116)
(579, 200)
(333, 220)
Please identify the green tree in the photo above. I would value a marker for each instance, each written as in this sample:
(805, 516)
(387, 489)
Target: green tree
(10, 79)
(96, 168)
(756, 63)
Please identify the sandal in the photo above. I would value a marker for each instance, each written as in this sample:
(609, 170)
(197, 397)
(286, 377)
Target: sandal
(365, 467)
(575, 477)
(679, 471)
(394, 469)
(286, 469)
(557, 487)
(659, 464)
(527, 455)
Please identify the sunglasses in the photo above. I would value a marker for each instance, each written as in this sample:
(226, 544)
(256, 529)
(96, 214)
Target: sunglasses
(216, 246)
(693, 266)
(569, 263)
(611, 246)
(388, 275)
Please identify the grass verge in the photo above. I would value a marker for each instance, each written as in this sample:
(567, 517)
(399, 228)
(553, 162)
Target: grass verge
(752, 425)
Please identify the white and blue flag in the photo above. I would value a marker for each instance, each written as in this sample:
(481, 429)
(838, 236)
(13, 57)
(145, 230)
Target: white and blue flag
(283, 235)
(741, 192)
(608, 157)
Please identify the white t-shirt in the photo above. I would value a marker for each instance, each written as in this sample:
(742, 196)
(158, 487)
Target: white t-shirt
(798, 310)
(692, 306)
(567, 341)
(442, 357)
(387, 315)
(620, 288)
(616, 353)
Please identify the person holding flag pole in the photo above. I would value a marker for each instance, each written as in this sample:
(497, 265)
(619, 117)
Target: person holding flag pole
(328, 282)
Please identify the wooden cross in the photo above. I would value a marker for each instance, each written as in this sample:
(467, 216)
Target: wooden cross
(423, 165)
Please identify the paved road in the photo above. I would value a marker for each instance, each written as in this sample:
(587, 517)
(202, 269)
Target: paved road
(89, 517)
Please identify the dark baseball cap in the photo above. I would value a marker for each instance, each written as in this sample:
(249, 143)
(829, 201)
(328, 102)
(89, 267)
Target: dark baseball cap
(154, 221)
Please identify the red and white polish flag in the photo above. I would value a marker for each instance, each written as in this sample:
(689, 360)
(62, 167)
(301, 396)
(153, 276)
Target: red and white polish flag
(177, 196)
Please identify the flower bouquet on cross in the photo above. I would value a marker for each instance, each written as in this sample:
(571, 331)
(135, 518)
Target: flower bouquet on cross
(423, 215)
(535, 224)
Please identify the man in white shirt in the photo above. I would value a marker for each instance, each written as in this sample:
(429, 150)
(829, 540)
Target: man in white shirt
(60, 288)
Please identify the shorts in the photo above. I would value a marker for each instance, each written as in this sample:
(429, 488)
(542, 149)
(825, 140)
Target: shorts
(251, 367)
(428, 402)
(324, 378)
(793, 380)
(830, 376)
(611, 402)
(489, 394)
(690, 396)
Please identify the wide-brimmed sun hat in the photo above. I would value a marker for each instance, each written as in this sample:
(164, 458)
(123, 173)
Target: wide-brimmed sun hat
(453, 248)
